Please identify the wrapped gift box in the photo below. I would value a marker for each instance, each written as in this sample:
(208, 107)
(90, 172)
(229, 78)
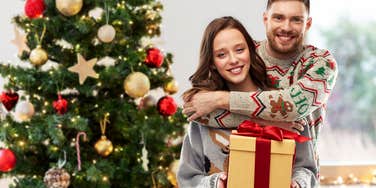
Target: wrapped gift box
(242, 168)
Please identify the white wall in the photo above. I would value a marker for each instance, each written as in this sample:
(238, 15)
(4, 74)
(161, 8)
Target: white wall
(8, 51)
(182, 28)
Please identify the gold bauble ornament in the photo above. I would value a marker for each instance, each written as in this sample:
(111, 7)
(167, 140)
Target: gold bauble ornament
(171, 87)
(136, 84)
(171, 173)
(69, 7)
(106, 33)
(104, 146)
(38, 56)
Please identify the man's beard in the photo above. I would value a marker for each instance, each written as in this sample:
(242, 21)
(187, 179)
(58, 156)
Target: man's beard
(295, 48)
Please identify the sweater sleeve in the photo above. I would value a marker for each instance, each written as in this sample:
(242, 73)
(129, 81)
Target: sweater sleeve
(191, 172)
(310, 92)
(305, 178)
(306, 167)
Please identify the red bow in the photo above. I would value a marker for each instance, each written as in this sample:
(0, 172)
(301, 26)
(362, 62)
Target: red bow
(249, 128)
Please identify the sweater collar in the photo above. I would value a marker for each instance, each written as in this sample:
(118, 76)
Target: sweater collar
(284, 63)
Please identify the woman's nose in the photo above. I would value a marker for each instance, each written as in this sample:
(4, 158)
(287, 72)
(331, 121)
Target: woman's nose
(233, 58)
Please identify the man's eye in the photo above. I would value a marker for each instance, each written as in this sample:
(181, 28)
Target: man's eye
(278, 18)
(297, 20)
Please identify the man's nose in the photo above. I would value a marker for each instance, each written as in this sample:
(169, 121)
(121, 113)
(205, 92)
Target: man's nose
(286, 25)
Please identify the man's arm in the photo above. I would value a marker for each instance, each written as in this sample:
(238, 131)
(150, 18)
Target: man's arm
(311, 91)
(232, 120)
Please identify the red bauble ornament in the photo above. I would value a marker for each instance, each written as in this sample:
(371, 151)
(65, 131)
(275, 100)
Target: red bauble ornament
(61, 105)
(167, 106)
(9, 99)
(34, 8)
(7, 160)
(154, 57)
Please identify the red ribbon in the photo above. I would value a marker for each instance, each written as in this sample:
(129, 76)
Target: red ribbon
(249, 128)
(263, 146)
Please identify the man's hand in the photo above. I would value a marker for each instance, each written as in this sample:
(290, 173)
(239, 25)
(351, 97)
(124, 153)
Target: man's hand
(205, 102)
(295, 126)
(222, 181)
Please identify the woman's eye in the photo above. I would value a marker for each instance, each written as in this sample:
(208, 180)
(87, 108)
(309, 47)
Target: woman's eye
(239, 50)
(221, 55)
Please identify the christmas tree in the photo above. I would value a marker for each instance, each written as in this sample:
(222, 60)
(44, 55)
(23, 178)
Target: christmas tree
(81, 111)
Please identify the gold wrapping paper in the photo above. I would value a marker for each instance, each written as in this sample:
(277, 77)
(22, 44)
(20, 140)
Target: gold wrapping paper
(242, 156)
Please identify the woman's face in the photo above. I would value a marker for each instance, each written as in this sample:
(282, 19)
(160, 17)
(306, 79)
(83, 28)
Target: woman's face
(231, 58)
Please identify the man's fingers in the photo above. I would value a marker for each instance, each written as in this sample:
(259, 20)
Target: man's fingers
(294, 130)
(301, 122)
(298, 127)
(187, 98)
(189, 110)
(194, 116)
(187, 104)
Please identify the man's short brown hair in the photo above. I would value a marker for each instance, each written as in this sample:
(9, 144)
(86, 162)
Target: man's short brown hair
(306, 3)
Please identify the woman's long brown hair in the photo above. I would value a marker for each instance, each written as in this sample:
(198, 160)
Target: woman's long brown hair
(206, 77)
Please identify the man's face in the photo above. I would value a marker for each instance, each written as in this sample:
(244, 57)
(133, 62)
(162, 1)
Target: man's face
(286, 23)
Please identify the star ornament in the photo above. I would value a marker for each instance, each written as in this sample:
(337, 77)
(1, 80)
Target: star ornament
(84, 68)
(20, 41)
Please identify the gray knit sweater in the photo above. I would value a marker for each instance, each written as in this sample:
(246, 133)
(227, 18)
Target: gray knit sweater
(203, 156)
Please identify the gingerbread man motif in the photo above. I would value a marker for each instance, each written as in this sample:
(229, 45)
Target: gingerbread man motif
(280, 106)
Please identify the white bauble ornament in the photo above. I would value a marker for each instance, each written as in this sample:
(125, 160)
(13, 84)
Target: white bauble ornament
(106, 33)
(24, 110)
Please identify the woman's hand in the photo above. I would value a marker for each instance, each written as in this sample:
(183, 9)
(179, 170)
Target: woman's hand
(222, 181)
(294, 184)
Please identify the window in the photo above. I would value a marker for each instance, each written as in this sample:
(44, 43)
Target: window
(349, 138)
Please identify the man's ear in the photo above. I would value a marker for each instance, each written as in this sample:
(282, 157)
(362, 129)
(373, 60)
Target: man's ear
(309, 23)
(265, 17)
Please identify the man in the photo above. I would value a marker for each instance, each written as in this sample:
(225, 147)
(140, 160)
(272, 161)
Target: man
(302, 76)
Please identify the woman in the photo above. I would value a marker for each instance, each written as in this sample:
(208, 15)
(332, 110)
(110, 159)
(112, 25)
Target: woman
(228, 61)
